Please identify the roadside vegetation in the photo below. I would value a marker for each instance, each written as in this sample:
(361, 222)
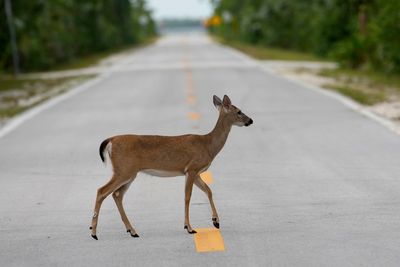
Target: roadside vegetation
(367, 87)
(363, 36)
(63, 35)
(17, 95)
(49, 33)
(267, 53)
(358, 33)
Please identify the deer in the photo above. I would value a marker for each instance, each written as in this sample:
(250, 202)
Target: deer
(166, 156)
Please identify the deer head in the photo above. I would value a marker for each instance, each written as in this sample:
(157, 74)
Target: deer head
(232, 114)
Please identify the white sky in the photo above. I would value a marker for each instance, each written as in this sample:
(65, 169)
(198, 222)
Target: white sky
(180, 8)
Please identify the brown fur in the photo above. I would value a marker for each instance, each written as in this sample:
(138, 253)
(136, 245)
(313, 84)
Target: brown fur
(187, 155)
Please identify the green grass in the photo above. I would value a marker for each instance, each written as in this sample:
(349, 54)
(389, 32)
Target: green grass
(8, 83)
(262, 52)
(27, 88)
(82, 62)
(367, 87)
(367, 77)
(10, 112)
(359, 95)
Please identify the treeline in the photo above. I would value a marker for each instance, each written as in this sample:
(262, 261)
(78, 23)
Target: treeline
(357, 33)
(49, 32)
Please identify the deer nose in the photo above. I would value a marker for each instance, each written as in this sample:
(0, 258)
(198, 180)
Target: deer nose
(249, 122)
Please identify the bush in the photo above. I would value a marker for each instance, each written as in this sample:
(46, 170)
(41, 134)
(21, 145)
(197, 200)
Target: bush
(351, 52)
(357, 33)
(57, 31)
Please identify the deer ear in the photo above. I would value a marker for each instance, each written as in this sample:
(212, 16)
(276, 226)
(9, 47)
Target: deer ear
(217, 102)
(227, 102)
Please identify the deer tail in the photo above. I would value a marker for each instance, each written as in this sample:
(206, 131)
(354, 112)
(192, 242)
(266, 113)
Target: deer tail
(103, 147)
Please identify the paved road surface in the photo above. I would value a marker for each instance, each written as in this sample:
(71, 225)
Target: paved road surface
(311, 183)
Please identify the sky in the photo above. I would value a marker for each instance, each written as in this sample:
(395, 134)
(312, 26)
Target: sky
(180, 8)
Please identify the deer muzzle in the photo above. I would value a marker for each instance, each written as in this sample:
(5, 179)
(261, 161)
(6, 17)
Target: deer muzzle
(248, 123)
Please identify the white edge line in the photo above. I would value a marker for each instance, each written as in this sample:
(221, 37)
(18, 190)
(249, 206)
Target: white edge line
(332, 94)
(15, 122)
(341, 98)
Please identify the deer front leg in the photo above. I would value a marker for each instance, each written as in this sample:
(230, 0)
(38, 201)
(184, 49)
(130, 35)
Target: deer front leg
(206, 189)
(190, 177)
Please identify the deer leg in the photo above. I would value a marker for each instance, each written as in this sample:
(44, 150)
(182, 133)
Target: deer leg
(206, 189)
(118, 196)
(190, 177)
(102, 193)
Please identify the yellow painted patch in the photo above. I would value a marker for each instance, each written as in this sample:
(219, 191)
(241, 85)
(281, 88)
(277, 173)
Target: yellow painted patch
(207, 177)
(191, 99)
(208, 240)
(194, 116)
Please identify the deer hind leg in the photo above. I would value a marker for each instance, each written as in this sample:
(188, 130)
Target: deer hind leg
(190, 177)
(206, 189)
(102, 193)
(118, 196)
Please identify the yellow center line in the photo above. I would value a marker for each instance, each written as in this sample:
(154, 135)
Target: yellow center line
(208, 240)
(190, 95)
(194, 116)
(207, 177)
(191, 100)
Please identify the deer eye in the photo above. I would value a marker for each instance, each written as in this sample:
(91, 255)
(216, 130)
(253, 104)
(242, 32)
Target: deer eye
(239, 112)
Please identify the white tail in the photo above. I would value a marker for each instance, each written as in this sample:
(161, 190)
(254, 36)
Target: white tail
(187, 155)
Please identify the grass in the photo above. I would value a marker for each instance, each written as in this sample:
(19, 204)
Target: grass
(368, 77)
(10, 112)
(364, 86)
(359, 95)
(8, 83)
(268, 53)
(31, 92)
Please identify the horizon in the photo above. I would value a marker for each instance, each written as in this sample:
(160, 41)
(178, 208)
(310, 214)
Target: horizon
(180, 9)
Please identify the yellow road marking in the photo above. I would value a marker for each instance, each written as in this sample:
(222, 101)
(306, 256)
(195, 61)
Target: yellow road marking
(208, 240)
(189, 85)
(194, 116)
(207, 177)
(191, 99)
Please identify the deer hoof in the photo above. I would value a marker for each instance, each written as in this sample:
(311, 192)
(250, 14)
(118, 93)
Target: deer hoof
(132, 235)
(216, 225)
(95, 237)
(215, 222)
(190, 232)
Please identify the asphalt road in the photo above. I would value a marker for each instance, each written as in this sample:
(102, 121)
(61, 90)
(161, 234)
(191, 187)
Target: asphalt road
(311, 183)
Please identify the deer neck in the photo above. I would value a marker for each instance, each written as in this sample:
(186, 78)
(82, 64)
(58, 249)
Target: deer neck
(217, 137)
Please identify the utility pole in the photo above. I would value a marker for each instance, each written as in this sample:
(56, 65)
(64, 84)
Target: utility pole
(13, 42)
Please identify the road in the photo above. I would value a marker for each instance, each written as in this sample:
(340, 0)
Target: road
(311, 183)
